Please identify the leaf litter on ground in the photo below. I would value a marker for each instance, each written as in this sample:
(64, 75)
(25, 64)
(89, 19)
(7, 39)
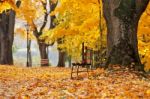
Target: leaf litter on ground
(55, 83)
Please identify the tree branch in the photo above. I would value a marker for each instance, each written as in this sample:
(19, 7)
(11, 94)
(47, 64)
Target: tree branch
(141, 6)
(45, 18)
(35, 31)
(52, 7)
(18, 3)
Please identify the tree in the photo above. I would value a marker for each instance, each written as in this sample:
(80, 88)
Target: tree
(122, 17)
(7, 22)
(62, 54)
(78, 22)
(42, 45)
(37, 33)
(33, 11)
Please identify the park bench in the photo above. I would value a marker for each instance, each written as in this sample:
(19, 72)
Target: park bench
(44, 62)
(86, 62)
(78, 65)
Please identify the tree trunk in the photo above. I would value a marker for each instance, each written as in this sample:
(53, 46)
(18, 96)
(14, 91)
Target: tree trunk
(61, 61)
(7, 22)
(69, 60)
(122, 18)
(30, 59)
(43, 53)
(29, 55)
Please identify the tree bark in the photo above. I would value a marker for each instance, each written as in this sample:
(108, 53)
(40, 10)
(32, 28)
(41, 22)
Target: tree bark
(61, 61)
(43, 53)
(69, 60)
(7, 22)
(29, 55)
(122, 18)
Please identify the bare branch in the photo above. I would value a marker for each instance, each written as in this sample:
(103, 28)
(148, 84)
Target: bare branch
(18, 3)
(35, 31)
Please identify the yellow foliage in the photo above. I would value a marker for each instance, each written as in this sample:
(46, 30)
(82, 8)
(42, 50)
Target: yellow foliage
(23, 33)
(78, 22)
(4, 6)
(27, 11)
(144, 38)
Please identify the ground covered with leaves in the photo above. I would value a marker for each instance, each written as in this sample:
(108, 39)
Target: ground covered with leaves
(55, 83)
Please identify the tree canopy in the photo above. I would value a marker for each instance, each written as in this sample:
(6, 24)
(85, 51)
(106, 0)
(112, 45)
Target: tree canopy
(78, 21)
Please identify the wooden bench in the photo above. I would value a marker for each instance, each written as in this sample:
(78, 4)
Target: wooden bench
(78, 65)
(86, 62)
(44, 62)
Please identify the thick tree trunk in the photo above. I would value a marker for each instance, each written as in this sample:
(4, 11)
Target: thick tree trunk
(43, 53)
(0, 43)
(122, 18)
(7, 22)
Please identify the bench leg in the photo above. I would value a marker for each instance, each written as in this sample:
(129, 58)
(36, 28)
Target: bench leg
(71, 72)
(87, 70)
(77, 70)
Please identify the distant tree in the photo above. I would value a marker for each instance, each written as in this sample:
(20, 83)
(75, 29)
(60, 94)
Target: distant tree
(32, 12)
(42, 45)
(122, 17)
